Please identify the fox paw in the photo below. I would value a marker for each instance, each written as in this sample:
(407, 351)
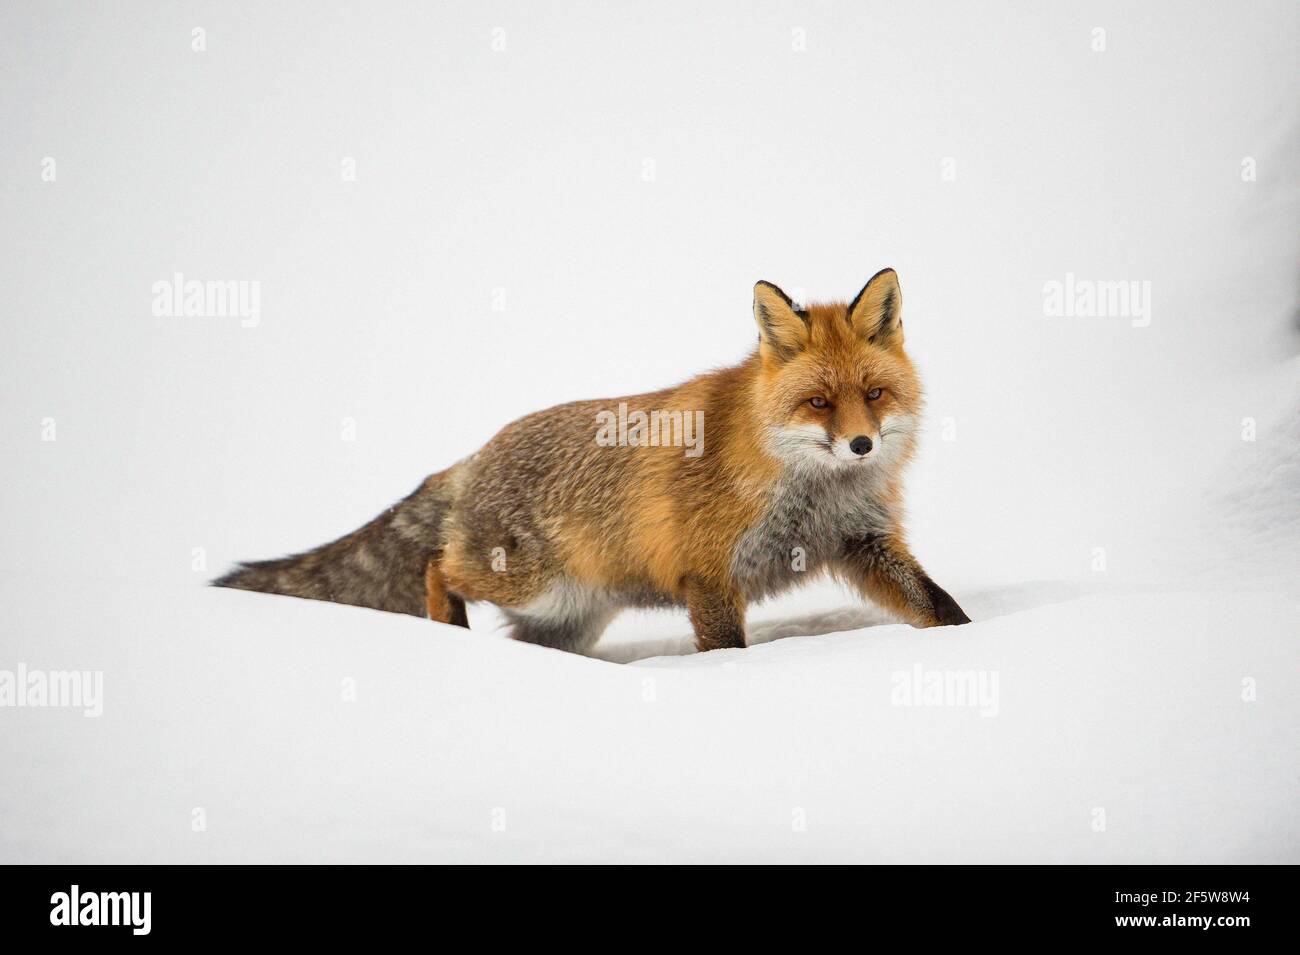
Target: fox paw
(944, 611)
(947, 613)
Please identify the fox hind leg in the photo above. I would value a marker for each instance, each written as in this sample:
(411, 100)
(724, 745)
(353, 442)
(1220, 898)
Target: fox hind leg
(442, 604)
(567, 616)
(458, 616)
(575, 635)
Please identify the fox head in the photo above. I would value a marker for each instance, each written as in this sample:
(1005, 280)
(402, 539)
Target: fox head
(835, 388)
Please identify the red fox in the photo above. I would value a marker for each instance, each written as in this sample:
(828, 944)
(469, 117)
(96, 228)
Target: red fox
(563, 519)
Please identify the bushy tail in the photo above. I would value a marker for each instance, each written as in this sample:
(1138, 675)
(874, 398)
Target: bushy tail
(381, 565)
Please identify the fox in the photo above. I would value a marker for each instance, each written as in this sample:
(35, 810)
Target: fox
(797, 471)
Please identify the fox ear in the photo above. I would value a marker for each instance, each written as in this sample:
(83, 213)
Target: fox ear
(781, 329)
(877, 313)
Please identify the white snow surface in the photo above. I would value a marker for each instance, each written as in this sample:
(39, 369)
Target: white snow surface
(1114, 504)
(461, 746)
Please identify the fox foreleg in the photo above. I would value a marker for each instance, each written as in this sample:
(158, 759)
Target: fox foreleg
(717, 614)
(884, 570)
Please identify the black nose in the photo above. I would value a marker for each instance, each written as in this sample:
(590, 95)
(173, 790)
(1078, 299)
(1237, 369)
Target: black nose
(860, 445)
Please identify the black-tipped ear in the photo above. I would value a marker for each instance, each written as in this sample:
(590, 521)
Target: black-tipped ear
(877, 313)
(781, 329)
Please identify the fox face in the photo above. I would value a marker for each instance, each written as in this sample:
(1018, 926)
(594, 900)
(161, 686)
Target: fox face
(836, 389)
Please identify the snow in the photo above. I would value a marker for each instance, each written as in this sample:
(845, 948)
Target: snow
(467, 747)
(1115, 506)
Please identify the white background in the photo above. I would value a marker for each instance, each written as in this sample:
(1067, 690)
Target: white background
(523, 169)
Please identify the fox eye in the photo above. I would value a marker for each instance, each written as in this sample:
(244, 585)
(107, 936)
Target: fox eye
(817, 401)
(873, 394)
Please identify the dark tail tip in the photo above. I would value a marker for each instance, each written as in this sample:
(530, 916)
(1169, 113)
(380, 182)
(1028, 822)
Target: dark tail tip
(239, 578)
